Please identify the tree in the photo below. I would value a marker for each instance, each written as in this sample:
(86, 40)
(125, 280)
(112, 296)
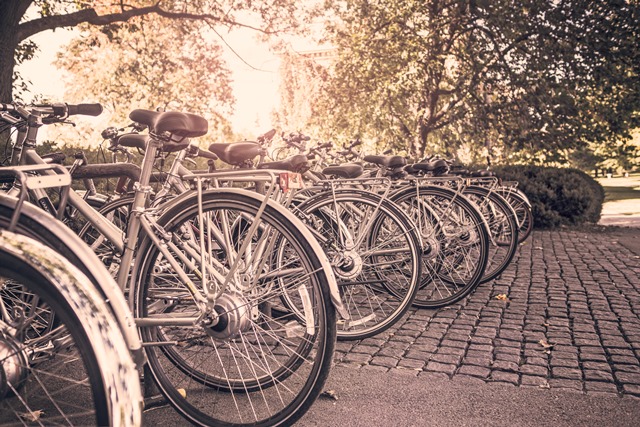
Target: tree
(145, 63)
(525, 79)
(16, 26)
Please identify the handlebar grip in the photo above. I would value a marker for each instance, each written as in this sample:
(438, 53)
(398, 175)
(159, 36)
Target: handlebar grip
(7, 107)
(85, 109)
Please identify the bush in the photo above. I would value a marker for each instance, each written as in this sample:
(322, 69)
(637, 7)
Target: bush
(558, 196)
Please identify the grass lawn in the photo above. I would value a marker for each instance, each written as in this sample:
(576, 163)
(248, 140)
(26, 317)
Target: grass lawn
(620, 188)
(622, 200)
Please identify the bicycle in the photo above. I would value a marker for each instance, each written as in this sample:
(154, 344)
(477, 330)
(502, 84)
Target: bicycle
(208, 301)
(65, 355)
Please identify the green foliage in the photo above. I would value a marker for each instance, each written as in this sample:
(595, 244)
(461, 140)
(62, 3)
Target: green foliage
(150, 62)
(528, 81)
(559, 196)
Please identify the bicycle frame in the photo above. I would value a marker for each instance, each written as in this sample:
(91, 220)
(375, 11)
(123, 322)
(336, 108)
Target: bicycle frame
(139, 221)
(141, 225)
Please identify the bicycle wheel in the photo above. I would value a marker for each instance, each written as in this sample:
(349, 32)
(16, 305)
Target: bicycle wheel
(117, 212)
(39, 225)
(503, 227)
(244, 359)
(455, 241)
(63, 360)
(374, 249)
(522, 207)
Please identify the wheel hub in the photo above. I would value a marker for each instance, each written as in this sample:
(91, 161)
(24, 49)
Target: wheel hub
(347, 265)
(431, 248)
(13, 366)
(234, 317)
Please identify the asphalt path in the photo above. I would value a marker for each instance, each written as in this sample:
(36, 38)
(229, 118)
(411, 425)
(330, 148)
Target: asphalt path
(369, 397)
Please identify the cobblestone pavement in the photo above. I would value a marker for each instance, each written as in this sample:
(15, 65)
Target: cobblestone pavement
(570, 320)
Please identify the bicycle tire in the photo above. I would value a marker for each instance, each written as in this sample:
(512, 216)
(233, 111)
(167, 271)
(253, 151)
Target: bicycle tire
(39, 225)
(524, 214)
(74, 371)
(276, 393)
(503, 227)
(378, 278)
(456, 243)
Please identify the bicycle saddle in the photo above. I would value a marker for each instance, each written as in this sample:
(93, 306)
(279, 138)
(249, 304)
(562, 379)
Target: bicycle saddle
(482, 173)
(459, 171)
(386, 161)
(235, 153)
(437, 167)
(135, 140)
(349, 170)
(297, 163)
(183, 125)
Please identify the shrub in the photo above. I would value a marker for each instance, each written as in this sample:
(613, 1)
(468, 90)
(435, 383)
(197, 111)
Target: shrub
(558, 196)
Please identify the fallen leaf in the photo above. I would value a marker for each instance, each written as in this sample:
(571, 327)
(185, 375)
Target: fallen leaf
(545, 344)
(32, 416)
(545, 384)
(330, 394)
(502, 297)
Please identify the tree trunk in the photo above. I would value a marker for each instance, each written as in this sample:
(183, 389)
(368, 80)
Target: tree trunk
(11, 11)
(7, 66)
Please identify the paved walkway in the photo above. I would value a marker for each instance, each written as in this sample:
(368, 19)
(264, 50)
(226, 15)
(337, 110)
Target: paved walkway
(570, 320)
(562, 349)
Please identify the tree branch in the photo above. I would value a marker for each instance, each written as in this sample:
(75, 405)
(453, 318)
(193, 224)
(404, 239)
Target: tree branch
(90, 16)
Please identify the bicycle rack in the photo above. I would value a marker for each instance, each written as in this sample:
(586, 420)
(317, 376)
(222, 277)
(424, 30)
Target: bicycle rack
(31, 177)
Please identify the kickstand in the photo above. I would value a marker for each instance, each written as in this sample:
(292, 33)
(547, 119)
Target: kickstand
(152, 396)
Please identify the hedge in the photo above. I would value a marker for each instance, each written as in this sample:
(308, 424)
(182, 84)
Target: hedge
(559, 196)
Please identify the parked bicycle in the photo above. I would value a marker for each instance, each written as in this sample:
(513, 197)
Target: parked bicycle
(66, 351)
(225, 342)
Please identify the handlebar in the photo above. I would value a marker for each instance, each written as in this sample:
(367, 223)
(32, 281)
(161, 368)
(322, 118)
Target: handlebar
(58, 110)
(267, 136)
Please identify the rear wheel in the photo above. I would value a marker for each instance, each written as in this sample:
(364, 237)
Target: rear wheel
(246, 358)
(455, 243)
(503, 227)
(374, 250)
(63, 359)
(523, 212)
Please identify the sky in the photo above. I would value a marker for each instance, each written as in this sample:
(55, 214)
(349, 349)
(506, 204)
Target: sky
(255, 86)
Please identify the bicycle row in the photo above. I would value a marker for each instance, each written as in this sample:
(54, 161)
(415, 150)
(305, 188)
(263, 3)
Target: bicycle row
(232, 278)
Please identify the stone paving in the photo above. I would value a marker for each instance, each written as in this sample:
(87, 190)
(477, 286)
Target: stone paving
(570, 320)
